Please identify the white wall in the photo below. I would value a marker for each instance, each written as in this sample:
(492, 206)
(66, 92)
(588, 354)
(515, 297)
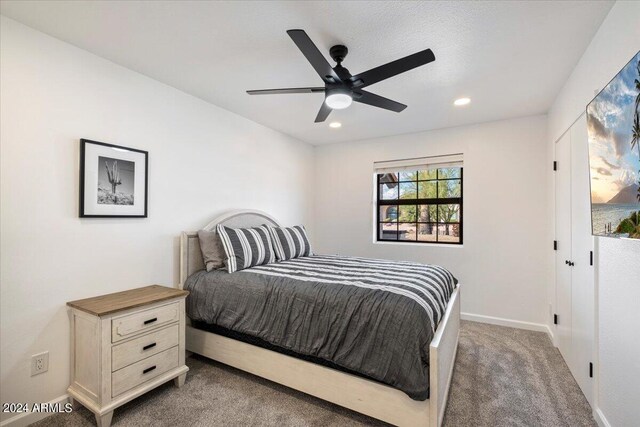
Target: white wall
(502, 263)
(618, 370)
(611, 48)
(202, 160)
(618, 277)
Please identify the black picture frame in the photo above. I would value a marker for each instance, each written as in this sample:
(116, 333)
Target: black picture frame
(83, 183)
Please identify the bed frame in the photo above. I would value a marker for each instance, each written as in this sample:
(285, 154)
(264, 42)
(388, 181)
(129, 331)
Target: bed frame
(358, 394)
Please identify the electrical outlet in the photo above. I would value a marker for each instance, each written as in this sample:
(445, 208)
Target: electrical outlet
(39, 363)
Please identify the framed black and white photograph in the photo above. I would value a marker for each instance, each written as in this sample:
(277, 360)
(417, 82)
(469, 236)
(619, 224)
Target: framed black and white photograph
(113, 181)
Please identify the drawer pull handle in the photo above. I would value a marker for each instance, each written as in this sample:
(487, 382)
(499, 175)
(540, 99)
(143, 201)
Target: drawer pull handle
(149, 369)
(148, 346)
(146, 322)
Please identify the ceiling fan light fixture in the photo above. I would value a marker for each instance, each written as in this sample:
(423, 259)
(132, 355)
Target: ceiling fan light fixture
(461, 101)
(341, 88)
(338, 100)
(335, 125)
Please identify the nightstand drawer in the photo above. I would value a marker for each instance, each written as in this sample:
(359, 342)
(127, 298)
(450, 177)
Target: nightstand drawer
(132, 324)
(142, 371)
(145, 346)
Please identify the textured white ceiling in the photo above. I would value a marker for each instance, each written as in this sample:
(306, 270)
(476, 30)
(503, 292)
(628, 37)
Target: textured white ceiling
(510, 58)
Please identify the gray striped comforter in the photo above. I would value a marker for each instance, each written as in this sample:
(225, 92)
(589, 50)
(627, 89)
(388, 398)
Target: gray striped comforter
(372, 317)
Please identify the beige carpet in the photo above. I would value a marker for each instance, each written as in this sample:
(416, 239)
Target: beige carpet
(502, 377)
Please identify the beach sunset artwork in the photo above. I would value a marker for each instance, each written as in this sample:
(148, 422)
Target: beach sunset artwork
(614, 155)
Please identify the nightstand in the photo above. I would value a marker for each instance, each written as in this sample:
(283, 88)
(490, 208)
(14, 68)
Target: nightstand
(125, 344)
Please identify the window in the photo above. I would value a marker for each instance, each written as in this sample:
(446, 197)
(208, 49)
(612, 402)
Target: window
(422, 205)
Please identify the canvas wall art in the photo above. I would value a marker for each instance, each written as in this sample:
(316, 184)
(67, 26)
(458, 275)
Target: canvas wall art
(614, 155)
(113, 180)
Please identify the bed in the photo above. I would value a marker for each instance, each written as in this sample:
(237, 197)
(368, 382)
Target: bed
(396, 394)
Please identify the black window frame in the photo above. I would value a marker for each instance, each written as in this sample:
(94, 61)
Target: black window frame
(417, 202)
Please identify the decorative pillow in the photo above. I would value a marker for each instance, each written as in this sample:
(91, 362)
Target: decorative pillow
(246, 247)
(212, 251)
(290, 242)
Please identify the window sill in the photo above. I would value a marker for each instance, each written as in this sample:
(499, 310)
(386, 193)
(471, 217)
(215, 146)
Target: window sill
(422, 245)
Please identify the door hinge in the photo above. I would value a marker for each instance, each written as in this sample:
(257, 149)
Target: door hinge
(555, 165)
(590, 257)
(555, 319)
(590, 370)
(555, 245)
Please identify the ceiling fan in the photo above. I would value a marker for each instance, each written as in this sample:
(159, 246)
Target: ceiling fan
(340, 87)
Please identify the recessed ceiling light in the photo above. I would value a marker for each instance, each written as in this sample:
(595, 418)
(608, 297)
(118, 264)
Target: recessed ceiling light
(335, 125)
(461, 101)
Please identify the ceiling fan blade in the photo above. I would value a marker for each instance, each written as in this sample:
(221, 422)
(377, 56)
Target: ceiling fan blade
(286, 91)
(313, 55)
(378, 101)
(323, 113)
(391, 69)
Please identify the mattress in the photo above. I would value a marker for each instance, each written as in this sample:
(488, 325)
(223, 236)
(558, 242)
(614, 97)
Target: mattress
(375, 318)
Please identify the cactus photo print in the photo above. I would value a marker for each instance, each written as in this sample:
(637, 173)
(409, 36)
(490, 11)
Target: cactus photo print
(113, 180)
(116, 181)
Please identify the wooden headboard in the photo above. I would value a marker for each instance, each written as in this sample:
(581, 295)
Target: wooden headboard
(190, 254)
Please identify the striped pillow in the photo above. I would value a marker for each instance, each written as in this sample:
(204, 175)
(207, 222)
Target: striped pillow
(290, 242)
(246, 247)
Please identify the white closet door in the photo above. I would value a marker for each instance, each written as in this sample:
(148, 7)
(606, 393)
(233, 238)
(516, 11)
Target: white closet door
(582, 275)
(563, 253)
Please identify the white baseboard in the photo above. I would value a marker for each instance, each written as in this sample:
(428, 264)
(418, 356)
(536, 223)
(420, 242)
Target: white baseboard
(26, 418)
(600, 418)
(552, 336)
(519, 324)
